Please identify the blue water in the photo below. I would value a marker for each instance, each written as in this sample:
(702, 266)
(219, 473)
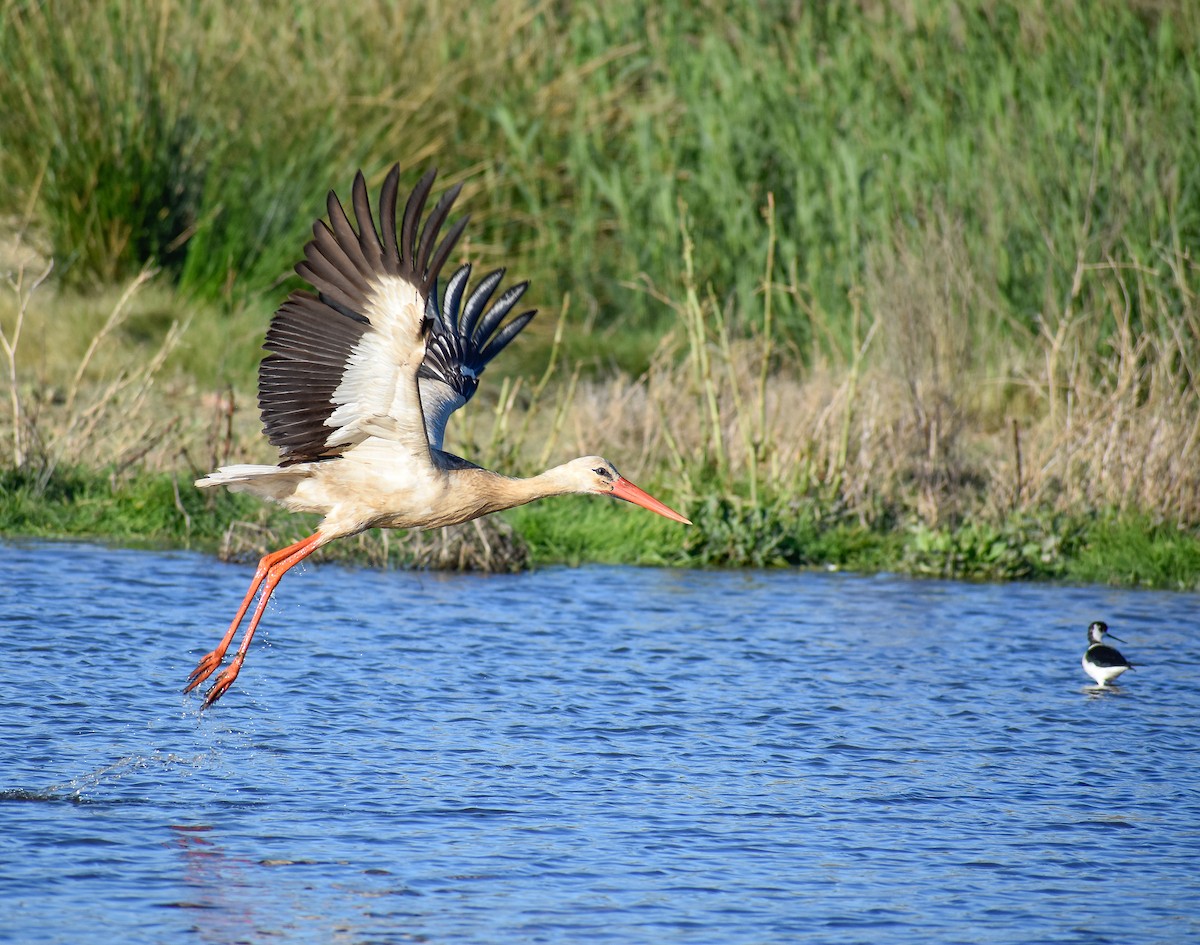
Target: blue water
(593, 755)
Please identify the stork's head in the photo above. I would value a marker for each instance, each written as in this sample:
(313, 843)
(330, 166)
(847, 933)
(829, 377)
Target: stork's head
(595, 474)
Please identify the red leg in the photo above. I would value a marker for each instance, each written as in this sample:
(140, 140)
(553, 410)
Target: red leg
(281, 562)
(210, 661)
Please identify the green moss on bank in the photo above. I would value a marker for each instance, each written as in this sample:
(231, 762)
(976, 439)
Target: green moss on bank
(160, 510)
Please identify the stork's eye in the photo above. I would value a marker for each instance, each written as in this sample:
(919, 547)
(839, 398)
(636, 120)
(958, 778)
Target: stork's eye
(602, 472)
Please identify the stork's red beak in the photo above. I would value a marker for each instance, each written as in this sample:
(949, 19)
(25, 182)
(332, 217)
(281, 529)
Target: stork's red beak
(624, 489)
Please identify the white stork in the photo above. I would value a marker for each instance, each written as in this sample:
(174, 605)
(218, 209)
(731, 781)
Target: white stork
(359, 383)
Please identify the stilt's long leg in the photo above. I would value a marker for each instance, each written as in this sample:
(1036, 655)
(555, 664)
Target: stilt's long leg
(275, 572)
(210, 661)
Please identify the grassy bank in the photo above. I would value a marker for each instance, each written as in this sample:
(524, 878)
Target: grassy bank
(157, 511)
(851, 284)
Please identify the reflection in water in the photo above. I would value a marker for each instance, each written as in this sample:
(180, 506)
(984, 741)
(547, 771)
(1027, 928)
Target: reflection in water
(237, 899)
(233, 898)
(214, 879)
(609, 755)
(1103, 692)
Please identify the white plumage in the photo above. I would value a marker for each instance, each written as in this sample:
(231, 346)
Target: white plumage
(360, 382)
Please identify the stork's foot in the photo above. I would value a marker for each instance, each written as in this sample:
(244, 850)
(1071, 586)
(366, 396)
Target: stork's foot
(204, 669)
(224, 681)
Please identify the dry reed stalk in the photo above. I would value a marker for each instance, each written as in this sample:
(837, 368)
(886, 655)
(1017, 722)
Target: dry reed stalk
(103, 422)
(115, 318)
(11, 342)
(692, 313)
(1130, 437)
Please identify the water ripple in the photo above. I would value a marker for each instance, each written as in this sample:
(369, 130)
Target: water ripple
(601, 755)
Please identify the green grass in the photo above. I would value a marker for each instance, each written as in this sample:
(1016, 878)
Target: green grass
(1131, 550)
(160, 511)
(575, 529)
(179, 133)
(157, 510)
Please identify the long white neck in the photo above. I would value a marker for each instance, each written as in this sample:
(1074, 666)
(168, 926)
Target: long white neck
(506, 492)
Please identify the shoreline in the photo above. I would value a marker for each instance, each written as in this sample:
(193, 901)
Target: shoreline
(156, 511)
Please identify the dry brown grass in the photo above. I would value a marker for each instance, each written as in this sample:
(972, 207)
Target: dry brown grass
(80, 397)
(1120, 389)
(936, 413)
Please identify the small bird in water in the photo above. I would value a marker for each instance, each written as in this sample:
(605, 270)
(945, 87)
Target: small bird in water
(1101, 662)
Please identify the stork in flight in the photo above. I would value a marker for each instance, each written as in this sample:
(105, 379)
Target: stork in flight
(359, 383)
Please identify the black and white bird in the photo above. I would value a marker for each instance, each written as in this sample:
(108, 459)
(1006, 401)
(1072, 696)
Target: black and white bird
(361, 379)
(1103, 663)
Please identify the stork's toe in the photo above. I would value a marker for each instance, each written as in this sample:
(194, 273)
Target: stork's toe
(208, 663)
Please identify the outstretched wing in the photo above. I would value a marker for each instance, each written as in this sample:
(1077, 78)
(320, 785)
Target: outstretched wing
(465, 337)
(343, 363)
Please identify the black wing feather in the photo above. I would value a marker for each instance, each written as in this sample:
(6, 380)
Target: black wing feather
(464, 337)
(1103, 655)
(433, 224)
(412, 214)
(347, 244)
(388, 195)
(495, 315)
(475, 305)
(501, 340)
(369, 246)
(455, 289)
(443, 251)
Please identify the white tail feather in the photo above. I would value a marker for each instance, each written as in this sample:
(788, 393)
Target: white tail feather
(268, 482)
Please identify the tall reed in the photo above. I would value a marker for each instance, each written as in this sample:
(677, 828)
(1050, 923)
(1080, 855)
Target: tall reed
(204, 139)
